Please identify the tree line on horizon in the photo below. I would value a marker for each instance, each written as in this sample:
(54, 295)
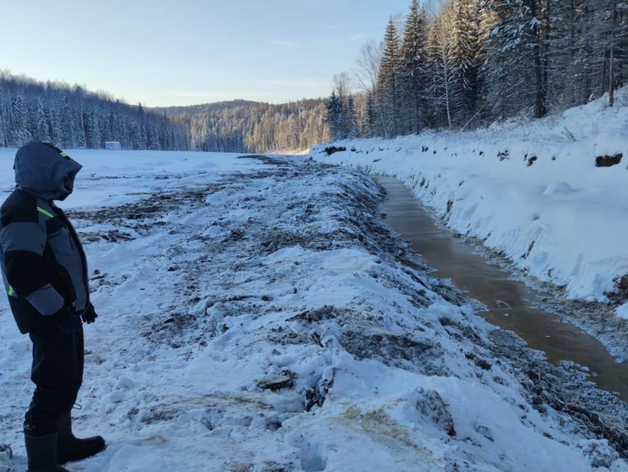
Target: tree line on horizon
(468, 63)
(71, 117)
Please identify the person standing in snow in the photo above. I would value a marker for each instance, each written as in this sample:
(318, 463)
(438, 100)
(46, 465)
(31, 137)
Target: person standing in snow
(44, 270)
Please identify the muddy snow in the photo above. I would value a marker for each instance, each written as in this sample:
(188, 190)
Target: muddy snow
(257, 314)
(545, 197)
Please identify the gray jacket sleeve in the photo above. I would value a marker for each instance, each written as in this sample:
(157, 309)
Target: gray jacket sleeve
(23, 244)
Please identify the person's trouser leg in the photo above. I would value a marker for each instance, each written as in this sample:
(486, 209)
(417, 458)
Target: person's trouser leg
(57, 373)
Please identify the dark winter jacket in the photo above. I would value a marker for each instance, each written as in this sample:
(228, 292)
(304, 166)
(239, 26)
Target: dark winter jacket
(43, 264)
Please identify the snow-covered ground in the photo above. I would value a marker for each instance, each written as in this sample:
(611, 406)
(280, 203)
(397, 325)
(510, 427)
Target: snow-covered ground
(258, 315)
(530, 191)
(532, 194)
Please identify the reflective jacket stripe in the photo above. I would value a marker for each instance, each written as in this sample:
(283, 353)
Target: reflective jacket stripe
(44, 212)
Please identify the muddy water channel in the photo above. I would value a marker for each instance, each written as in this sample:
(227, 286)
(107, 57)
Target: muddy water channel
(511, 304)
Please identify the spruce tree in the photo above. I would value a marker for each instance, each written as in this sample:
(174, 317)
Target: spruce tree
(334, 117)
(389, 86)
(92, 129)
(413, 69)
(350, 118)
(40, 127)
(68, 128)
(19, 133)
(369, 119)
(465, 50)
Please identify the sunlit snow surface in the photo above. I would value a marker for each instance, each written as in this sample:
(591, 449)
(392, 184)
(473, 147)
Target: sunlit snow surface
(257, 315)
(528, 190)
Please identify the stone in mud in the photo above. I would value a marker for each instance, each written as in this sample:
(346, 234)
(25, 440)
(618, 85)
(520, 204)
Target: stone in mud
(312, 316)
(277, 382)
(608, 160)
(430, 405)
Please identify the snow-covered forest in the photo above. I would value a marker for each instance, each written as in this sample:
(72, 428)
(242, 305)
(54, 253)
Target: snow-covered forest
(471, 62)
(255, 127)
(72, 117)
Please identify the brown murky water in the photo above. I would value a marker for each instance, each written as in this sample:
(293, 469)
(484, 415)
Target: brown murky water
(510, 302)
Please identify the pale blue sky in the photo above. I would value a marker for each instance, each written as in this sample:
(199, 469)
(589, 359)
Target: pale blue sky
(167, 52)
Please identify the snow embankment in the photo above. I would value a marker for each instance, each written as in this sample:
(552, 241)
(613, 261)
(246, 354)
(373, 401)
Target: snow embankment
(529, 191)
(259, 316)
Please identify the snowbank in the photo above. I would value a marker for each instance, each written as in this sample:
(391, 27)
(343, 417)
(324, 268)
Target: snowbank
(530, 191)
(257, 315)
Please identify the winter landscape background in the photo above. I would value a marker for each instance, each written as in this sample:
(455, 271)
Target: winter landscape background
(456, 64)
(259, 313)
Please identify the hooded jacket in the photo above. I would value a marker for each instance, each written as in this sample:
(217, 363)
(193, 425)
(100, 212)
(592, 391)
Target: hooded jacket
(43, 264)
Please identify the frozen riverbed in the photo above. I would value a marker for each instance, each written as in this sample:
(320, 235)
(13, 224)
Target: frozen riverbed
(258, 315)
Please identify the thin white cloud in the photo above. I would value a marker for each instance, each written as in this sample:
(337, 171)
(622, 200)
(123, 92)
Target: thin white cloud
(332, 27)
(357, 37)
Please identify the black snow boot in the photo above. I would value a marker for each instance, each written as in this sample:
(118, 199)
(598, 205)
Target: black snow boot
(71, 448)
(42, 453)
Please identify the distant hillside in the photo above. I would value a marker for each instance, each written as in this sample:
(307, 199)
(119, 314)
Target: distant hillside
(202, 108)
(243, 126)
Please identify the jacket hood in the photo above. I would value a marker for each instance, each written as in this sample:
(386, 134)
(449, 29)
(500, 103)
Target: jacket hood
(45, 171)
